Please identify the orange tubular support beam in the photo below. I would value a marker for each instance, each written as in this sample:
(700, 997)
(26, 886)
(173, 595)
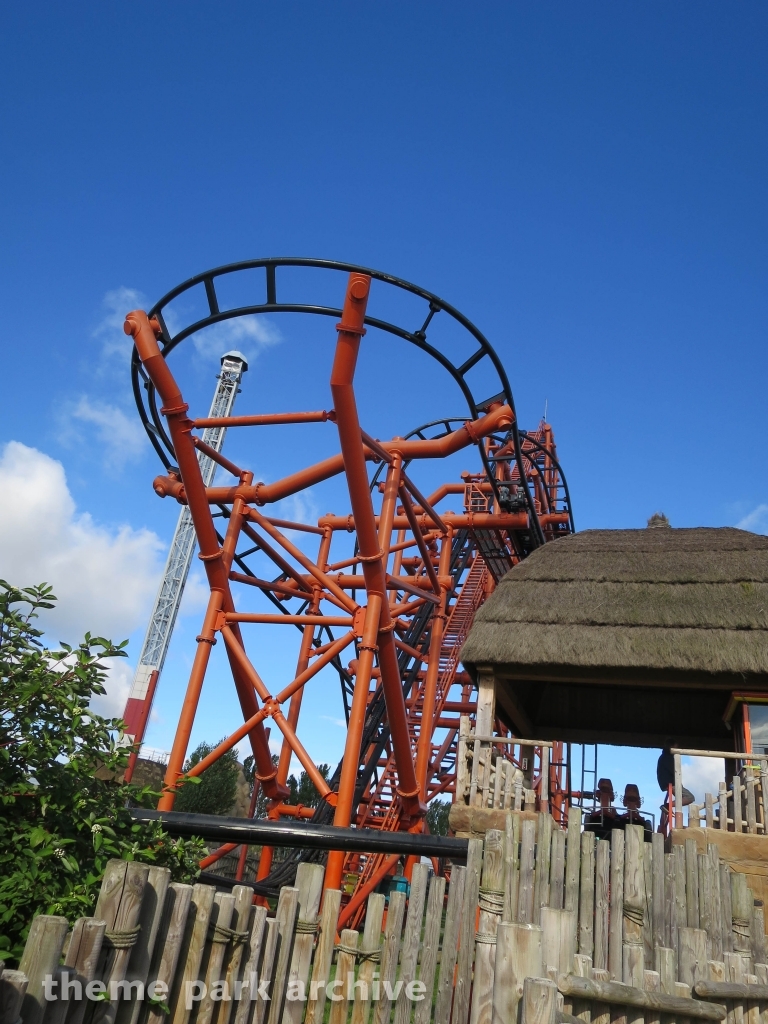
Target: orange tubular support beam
(351, 330)
(398, 577)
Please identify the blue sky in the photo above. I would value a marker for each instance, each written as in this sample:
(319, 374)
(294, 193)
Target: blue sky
(585, 181)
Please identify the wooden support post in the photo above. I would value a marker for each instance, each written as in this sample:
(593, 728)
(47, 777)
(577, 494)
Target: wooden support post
(741, 904)
(39, 960)
(511, 867)
(557, 870)
(251, 968)
(460, 1013)
(670, 904)
(165, 956)
(558, 939)
(716, 935)
(648, 911)
(192, 948)
(216, 949)
(137, 970)
(309, 882)
(321, 964)
(342, 993)
(587, 895)
(658, 937)
(526, 884)
(692, 956)
(267, 968)
(542, 866)
(722, 814)
(726, 908)
(285, 916)
(463, 774)
(450, 948)
(572, 859)
(518, 956)
(491, 904)
(602, 889)
(691, 883)
(371, 953)
(678, 791)
(666, 965)
(615, 929)
(390, 950)
(539, 1001)
(13, 988)
(409, 953)
(738, 821)
(243, 896)
(82, 958)
(652, 983)
(430, 948)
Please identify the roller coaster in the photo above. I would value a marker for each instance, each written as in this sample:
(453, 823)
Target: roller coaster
(391, 589)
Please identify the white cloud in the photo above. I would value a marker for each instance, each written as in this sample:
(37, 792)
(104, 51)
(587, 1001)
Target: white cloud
(756, 520)
(116, 303)
(249, 334)
(703, 775)
(118, 685)
(194, 600)
(336, 721)
(105, 579)
(122, 436)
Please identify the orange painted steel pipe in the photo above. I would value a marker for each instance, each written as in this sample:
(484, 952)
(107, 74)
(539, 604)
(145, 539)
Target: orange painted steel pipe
(291, 620)
(350, 331)
(217, 457)
(439, 619)
(217, 855)
(175, 410)
(263, 419)
(423, 550)
(262, 494)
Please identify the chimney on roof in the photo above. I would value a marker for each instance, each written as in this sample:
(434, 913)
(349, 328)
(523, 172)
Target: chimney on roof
(658, 521)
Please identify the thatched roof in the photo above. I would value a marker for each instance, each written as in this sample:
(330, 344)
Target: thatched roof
(656, 600)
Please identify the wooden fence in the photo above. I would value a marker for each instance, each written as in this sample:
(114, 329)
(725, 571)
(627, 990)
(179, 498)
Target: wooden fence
(542, 925)
(738, 807)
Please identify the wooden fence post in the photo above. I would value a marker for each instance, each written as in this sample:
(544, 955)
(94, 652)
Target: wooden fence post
(285, 916)
(461, 996)
(137, 969)
(431, 946)
(39, 960)
(615, 928)
(390, 951)
(572, 859)
(309, 882)
(321, 965)
(165, 957)
(539, 1001)
(371, 952)
(518, 956)
(83, 957)
(449, 952)
(587, 895)
(491, 903)
(412, 939)
(192, 949)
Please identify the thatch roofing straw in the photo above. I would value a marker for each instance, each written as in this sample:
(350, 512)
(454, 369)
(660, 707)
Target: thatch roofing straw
(659, 599)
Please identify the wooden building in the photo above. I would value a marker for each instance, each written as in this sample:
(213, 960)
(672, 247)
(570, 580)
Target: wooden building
(650, 638)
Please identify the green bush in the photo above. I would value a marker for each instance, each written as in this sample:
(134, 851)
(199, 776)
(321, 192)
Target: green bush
(63, 811)
(215, 792)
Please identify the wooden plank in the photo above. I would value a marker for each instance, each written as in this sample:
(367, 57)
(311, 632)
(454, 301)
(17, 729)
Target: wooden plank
(602, 907)
(321, 963)
(518, 956)
(557, 870)
(491, 904)
(270, 943)
(430, 948)
(716, 936)
(212, 964)
(751, 804)
(741, 906)
(615, 927)
(680, 890)
(542, 865)
(192, 949)
(409, 954)
(666, 966)
(758, 935)
(587, 895)
(82, 958)
(233, 958)
(558, 939)
(738, 820)
(539, 1002)
(692, 961)
(309, 882)
(734, 968)
(634, 885)
(249, 992)
(463, 776)
(705, 896)
(633, 965)
(670, 905)
(39, 960)
(285, 916)
(726, 908)
(691, 883)
(573, 859)
(582, 968)
(450, 946)
(391, 948)
(652, 983)
(626, 995)
(119, 905)
(460, 1013)
(709, 810)
(648, 909)
(511, 867)
(526, 883)
(13, 988)
(165, 956)
(657, 844)
(342, 993)
(370, 948)
(722, 798)
(137, 970)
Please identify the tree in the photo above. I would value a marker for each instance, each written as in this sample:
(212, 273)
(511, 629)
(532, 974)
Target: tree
(215, 793)
(437, 817)
(303, 791)
(63, 811)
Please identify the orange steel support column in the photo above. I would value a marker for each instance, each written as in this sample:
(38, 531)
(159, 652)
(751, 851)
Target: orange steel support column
(175, 410)
(351, 330)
